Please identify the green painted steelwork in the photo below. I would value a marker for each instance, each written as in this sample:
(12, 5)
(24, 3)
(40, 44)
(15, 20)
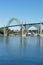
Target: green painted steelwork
(13, 19)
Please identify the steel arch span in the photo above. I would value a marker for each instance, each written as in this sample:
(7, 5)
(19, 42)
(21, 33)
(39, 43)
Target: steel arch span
(13, 19)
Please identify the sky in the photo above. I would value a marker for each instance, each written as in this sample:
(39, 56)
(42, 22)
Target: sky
(29, 11)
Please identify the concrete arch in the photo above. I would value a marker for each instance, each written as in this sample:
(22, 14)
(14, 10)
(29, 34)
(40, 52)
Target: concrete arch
(13, 19)
(36, 26)
(32, 28)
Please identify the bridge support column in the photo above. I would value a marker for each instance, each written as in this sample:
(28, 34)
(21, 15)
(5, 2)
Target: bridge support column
(40, 30)
(5, 32)
(23, 30)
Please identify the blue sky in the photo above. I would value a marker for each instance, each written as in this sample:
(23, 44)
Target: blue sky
(29, 11)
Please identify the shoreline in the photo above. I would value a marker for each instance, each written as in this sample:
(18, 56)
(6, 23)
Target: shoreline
(41, 35)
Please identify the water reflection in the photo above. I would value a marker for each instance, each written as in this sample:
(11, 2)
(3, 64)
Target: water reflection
(23, 41)
(29, 49)
(40, 41)
(6, 39)
(23, 45)
(40, 47)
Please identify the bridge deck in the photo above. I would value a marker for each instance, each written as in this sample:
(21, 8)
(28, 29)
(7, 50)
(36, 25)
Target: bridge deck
(21, 25)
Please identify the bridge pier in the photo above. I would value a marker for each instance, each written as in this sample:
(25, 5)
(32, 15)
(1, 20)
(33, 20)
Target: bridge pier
(40, 30)
(23, 30)
(5, 32)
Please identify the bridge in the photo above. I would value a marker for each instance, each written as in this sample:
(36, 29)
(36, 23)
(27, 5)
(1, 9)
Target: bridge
(24, 27)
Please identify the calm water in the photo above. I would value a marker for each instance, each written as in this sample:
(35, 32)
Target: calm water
(21, 51)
